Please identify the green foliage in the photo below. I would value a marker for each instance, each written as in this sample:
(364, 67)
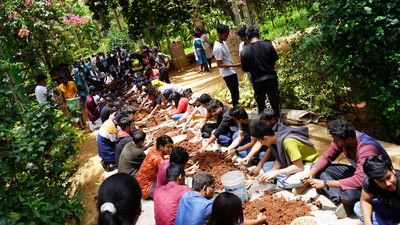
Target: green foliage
(119, 39)
(308, 81)
(36, 168)
(282, 25)
(362, 41)
(246, 99)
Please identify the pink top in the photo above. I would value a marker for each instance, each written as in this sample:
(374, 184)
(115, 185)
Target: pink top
(181, 108)
(166, 201)
(162, 173)
(361, 154)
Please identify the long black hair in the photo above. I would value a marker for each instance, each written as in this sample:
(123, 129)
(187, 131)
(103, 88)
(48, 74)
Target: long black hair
(118, 200)
(226, 210)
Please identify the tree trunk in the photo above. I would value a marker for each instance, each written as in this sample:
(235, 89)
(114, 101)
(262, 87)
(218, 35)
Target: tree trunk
(235, 10)
(118, 20)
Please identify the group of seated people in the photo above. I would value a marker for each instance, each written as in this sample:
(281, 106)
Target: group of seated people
(273, 150)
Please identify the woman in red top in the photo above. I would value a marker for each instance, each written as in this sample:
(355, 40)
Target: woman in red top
(179, 107)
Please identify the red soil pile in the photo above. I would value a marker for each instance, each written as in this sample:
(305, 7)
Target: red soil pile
(189, 146)
(216, 164)
(164, 130)
(278, 210)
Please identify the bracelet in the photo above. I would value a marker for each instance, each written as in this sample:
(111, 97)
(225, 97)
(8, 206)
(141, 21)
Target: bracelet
(326, 184)
(237, 152)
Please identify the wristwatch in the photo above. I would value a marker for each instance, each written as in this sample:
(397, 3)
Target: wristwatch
(326, 184)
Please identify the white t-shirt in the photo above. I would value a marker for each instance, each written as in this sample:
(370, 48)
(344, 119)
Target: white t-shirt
(241, 46)
(221, 52)
(40, 92)
(173, 87)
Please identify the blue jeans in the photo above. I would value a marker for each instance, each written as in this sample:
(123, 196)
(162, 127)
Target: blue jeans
(177, 116)
(347, 197)
(245, 140)
(381, 214)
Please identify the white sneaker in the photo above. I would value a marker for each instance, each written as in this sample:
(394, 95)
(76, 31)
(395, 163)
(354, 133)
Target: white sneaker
(340, 212)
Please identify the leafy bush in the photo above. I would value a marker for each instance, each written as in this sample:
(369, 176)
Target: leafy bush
(36, 166)
(308, 81)
(362, 41)
(246, 99)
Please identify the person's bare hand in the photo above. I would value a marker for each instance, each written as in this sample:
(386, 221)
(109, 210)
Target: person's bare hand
(255, 171)
(230, 153)
(244, 161)
(261, 218)
(269, 176)
(317, 184)
(306, 179)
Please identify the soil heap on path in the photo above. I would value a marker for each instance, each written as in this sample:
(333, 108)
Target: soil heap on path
(214, 162)
(278, 210)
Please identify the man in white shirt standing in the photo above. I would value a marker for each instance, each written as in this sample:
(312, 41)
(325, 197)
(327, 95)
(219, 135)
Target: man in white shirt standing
(41, 89)
(225, 63)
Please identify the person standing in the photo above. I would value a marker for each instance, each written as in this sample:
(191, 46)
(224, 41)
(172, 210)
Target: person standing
(200, 52)
(41, 89)
(91, 108)
(225, 63)
(162, 64)
(207, 45)
(258, 59)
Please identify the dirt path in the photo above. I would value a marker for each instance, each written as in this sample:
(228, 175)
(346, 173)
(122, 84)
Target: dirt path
(91, 173)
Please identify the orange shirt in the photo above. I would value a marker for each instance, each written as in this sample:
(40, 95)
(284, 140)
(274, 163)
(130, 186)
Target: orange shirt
(147, 174)
(68, 91)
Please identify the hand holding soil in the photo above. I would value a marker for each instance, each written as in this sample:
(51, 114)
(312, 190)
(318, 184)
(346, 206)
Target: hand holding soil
(317, 184)
(269, 176)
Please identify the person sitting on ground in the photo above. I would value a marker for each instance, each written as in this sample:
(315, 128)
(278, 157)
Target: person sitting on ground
(173, 88)
(147, 174)
(195, 206)
(41, 89)
(200, 109)
(223, 130)
(179, 105)
(380, 196)
(268, 117)
(118, 200)
(106, 138)
(339, 182)
(107, 110)
(123, 136)
(178, 156)
(293, 152)
(241, 144)
(167, 197)
(227, 210)
(132, 154)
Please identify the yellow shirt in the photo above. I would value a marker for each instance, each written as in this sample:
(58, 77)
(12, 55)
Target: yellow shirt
(157, 83)
(298, 150)
(68, 91)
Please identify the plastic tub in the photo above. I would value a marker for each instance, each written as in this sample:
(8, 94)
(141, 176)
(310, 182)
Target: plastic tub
(234, 182)
(74, 103)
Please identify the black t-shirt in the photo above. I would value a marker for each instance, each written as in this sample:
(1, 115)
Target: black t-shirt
(391, 199)
(258, 58)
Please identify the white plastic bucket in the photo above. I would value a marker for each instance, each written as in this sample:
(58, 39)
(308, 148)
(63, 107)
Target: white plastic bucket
(234, 182)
